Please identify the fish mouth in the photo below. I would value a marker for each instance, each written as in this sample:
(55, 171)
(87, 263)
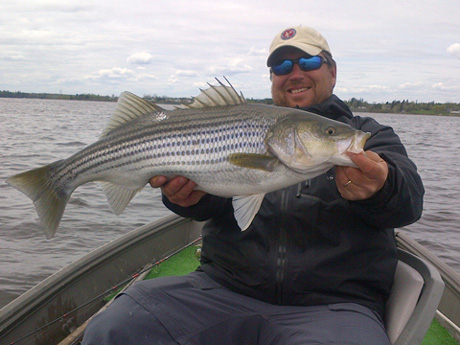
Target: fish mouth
(358, 141)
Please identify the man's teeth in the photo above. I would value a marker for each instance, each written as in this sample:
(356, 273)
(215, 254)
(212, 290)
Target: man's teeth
(299, 90)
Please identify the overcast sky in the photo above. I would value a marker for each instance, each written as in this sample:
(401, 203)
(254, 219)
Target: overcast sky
(385, 50)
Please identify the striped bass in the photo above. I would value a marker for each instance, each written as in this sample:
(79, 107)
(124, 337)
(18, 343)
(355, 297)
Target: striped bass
(228, 147)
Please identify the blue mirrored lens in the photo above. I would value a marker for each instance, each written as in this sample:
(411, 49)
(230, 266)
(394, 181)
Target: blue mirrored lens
(305, 64)
(283, 68)
(309, 64)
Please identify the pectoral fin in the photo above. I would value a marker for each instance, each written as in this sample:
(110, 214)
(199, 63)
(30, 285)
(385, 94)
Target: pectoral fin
(253, 161)
(246, 208)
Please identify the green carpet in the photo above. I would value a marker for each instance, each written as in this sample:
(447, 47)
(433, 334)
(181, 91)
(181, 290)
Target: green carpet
(437, 335)
(184, 262)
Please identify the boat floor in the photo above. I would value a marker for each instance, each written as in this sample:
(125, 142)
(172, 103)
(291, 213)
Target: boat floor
(182, 263)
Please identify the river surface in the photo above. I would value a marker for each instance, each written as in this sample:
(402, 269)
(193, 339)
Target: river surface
(37, 132)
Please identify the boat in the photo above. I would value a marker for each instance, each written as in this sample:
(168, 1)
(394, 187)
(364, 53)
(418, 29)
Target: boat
(56, 310)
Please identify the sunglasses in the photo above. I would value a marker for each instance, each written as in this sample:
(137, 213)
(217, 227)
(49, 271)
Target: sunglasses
(305, 63)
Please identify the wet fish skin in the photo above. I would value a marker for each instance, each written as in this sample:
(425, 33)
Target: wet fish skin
(228, 147)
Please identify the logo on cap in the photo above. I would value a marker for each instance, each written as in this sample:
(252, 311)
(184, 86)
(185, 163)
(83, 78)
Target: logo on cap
(287, 34)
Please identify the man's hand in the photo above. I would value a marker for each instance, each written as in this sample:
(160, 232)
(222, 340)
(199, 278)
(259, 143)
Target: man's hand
(179, 190)
(363, 182)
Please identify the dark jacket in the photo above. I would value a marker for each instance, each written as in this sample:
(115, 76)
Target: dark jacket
(307, 245)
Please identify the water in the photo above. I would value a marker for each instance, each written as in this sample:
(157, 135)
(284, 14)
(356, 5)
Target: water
(432, 143)
(36, 132)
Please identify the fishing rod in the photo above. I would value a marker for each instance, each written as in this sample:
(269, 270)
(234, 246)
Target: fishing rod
(107, 292)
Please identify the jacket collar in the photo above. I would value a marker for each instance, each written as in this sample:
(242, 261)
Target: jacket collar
(332, 108)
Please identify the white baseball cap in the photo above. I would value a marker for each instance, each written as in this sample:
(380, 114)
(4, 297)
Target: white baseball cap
(301, 37)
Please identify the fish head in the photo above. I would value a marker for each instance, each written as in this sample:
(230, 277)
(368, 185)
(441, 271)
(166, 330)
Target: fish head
(306, 142)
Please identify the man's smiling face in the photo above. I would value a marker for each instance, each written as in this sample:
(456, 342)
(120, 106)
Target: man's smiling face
(302, 88)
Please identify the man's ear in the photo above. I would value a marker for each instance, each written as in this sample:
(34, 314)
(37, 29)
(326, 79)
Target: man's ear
(333, 73)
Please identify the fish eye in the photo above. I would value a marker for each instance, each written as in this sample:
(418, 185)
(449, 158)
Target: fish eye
(330, 131)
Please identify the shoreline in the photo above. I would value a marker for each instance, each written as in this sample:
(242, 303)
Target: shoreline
(451, 109)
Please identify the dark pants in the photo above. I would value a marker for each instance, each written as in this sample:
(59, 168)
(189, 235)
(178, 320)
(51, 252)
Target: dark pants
(194, 309)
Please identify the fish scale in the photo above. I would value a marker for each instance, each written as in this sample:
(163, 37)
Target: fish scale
(227, 147)
(196, 145)
(175, 139)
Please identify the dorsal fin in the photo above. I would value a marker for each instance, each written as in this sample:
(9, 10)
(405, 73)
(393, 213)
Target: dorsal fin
(217, 96)
(129, 107)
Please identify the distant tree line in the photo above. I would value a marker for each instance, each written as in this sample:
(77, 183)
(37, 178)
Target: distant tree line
(79, 97)
(356, 105)
(167, 100)
(405, 106)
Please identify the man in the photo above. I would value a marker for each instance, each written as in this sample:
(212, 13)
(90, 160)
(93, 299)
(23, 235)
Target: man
(317, 263)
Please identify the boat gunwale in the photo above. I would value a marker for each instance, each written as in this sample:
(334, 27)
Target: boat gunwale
(447, 308)
(116, 253)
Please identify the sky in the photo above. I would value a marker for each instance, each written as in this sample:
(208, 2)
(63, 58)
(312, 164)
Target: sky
(385, 50)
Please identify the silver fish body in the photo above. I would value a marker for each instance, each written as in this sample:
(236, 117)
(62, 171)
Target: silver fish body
(191, 143)
(228, 147)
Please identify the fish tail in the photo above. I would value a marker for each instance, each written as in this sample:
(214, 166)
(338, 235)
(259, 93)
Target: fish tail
(49, 200)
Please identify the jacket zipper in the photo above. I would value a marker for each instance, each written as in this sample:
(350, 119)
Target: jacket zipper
(282, 247)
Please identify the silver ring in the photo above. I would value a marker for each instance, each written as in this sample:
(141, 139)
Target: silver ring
(347, 184)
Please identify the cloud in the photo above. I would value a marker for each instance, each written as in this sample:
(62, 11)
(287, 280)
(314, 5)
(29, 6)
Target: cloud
(234, 66)
(258, 52)
(364, 88)
(378, 87)
(14, 57)
(114, 73)
(410, 85)
(178, 74)
(141, 58)
(186, 73)
(443, 86)
(454, 49)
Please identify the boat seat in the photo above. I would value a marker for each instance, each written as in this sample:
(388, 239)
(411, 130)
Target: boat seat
(414, 298)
